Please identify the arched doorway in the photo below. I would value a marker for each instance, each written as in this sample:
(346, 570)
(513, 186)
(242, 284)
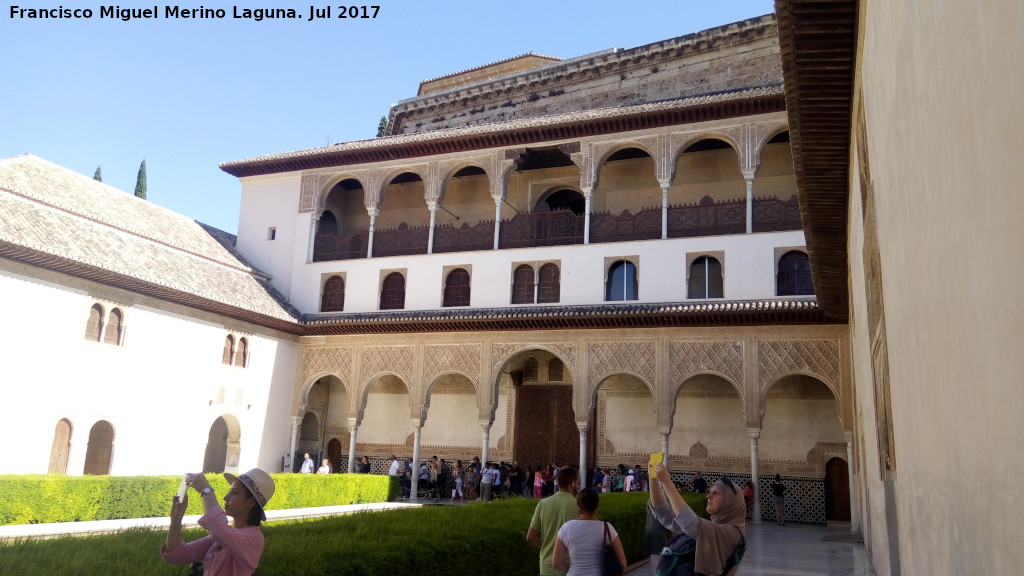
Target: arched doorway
(61, 448)
(545, 422)
(837, 490)
(216, 447)
(100, 452)
(334, 455)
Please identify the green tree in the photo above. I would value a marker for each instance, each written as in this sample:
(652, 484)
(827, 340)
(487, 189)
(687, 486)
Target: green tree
(140, 182)
(382, 128)
(98, 176)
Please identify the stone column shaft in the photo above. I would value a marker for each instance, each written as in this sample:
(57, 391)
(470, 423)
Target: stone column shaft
(664, 210)
(352, 429)
(497, 222)
(414, 481)
(430, 236)
(296, 422)
(485, 452)
(369, 243)
(754, 434)
(750, 202)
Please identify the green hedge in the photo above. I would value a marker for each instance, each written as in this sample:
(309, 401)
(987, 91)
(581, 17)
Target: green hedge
(33, 499)
(427, 541)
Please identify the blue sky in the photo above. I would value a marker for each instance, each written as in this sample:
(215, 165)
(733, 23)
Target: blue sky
(189, 94)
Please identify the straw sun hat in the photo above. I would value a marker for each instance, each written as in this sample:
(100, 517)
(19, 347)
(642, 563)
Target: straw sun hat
(259, 483)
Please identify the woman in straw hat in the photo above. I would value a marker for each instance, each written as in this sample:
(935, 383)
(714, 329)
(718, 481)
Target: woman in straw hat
(227, 550)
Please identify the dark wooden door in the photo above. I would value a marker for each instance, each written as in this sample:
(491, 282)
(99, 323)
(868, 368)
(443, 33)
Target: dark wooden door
(546, 426)
(837, 490)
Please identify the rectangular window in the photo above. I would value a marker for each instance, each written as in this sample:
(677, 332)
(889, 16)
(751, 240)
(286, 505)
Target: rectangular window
(271, 233)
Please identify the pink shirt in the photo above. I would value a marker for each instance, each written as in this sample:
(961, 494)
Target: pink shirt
(226, 551)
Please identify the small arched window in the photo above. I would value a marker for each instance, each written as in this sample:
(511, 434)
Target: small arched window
(95, 323)
(242, 356)
(456, 288)
(549, 289)
(229, 350)
(333, 299)
(522, 284)
(622, 283)
(705, 278)
(555, 369)
(530, 370)
(794, 277)
(392, 293)
(112, 334)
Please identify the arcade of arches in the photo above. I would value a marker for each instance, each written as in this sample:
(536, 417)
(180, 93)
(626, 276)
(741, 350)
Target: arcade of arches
(742, 401)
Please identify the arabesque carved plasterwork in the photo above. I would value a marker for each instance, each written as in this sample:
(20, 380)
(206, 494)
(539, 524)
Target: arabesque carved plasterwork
(689, 358)
(464, 358)
(330, 360)
(395, 359)
(500, 354)
(820, 357)
(567, 352)
(608, 358)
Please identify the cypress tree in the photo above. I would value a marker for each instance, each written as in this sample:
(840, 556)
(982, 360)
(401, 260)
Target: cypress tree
(382, 128)
(98, 176)
(140, 182)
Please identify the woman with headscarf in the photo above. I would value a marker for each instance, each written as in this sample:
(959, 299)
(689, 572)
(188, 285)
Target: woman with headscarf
(227, 550)
(716, 539)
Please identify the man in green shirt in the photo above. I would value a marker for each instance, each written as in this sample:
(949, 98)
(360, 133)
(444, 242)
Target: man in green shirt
(549, 516)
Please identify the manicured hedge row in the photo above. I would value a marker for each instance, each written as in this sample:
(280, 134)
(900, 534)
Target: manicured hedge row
(429, 541)
(32, 499)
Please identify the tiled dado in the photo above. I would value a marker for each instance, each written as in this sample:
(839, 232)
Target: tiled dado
(805, 497)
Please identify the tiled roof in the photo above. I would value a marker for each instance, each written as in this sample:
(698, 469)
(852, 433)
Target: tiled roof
(51, 214)
(482, 66)
(609, 315)
(389, 145)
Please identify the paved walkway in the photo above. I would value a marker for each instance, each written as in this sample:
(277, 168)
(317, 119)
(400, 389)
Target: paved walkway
(792, 550)
(799, 550)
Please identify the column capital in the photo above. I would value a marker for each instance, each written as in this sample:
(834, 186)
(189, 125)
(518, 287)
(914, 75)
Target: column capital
(753, 433)
(296, 421)
(373, 211)
(848, 434)
(664, 430)
(588, 192)
(583, 427)
(485, 425)
(665, 184)
(748, 175)
(432, 205)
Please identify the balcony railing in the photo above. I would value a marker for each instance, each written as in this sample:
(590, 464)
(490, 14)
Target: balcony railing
(562, 227)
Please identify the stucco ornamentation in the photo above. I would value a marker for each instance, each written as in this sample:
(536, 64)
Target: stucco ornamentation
(608, 358)
(817, 357)
(446, 358)
(336, 361)
(689, 358)
(394, 359)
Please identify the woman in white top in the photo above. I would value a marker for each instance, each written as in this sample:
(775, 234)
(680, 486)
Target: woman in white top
(325, 468)
(582, 540)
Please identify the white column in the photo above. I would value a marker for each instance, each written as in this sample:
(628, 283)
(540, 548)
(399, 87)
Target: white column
(664, 208)
(497, 222)
(664, 431)
(314, 223)
(296, 422)
(854, 523)
(749, 177)
(352, 429)
(486, 425)
(430, 236)
(583, 426)
(754, 434)
(588, 193)
(369, 244)
(414, 481)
